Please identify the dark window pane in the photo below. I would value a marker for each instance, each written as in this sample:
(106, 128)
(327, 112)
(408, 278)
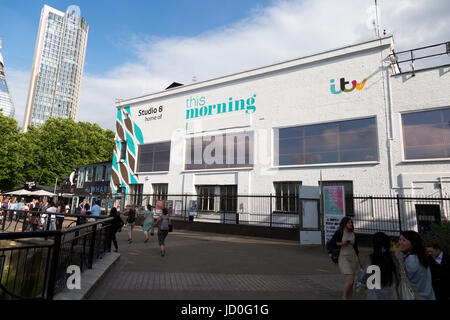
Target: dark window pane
(154, 157)
(345, 141)
(426, 134)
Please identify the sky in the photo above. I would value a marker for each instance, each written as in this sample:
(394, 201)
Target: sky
(139, 47)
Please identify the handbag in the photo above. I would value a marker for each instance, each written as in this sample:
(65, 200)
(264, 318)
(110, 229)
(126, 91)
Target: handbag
(333, 252)
(406, 290)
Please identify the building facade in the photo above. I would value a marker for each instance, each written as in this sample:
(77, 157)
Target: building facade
(346, 117)
(6, 103)
(88, 182)
(57, 67)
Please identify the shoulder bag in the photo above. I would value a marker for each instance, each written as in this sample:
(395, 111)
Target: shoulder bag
(406, 290)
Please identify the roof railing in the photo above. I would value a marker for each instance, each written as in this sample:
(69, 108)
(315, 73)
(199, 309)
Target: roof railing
(420, 54)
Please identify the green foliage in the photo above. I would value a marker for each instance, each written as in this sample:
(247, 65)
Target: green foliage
(441, 234)
(50, 151)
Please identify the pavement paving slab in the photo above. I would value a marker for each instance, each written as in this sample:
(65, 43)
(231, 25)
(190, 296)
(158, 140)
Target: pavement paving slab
(206, 266)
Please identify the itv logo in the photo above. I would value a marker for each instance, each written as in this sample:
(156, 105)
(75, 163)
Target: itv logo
(355, 85)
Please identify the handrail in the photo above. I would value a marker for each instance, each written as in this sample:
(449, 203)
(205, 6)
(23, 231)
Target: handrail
(39, 234)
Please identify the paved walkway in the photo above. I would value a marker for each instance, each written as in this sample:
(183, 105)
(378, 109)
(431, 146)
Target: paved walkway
(203, 266)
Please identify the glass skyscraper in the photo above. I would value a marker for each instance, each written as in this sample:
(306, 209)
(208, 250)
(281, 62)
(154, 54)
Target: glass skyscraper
(58, 66)
(6, 103)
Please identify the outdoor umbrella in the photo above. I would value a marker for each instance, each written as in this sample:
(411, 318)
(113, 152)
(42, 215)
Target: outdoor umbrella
(43, 193)
(21, 192)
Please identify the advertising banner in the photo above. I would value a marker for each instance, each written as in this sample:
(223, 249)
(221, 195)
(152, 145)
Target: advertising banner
(193, 208)
(333, 208)
(178, 207)
(159, 206)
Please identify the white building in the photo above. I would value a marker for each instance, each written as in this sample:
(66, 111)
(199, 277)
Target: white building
(347, 116)
(57, 66)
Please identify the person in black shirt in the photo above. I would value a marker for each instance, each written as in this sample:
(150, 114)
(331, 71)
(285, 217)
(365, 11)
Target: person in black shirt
(440, 270)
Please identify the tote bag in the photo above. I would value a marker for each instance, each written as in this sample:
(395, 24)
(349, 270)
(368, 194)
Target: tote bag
(406, 290)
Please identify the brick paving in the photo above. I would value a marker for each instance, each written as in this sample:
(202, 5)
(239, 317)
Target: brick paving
(203, 266)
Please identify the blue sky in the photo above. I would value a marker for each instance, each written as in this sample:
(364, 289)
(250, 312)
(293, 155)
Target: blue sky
(113, 23)
(138, 47)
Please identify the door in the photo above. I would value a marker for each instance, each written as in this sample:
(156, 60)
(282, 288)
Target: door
(309, 217)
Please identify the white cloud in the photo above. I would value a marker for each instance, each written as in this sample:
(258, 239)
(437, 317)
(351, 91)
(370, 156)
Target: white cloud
(285, 30)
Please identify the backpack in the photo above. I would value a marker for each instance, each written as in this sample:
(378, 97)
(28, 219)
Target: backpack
(164, 224)
(131, 216)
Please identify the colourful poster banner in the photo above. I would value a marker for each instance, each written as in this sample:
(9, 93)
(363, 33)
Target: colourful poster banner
(334, 209)
(193, 208)
(178, 207)
(333, 200)
(159, 206)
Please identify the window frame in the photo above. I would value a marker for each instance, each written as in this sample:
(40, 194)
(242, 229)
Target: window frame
(279, 199)
(225, 166)
(138, 158)
(276, 144)
(403, 140)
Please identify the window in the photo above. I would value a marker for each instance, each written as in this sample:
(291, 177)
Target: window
(286, 196)
(220, 151)
(426, 134)
(89, 174)
(80, 179)
(154, 157)
(160, 191)
(348, 193)
(205, 196)
(123, 151)
(228, 198)
(136, 193)
(100, 173)
(344, 141)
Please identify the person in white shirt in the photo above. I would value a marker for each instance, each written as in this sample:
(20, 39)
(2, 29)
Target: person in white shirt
(52, 209)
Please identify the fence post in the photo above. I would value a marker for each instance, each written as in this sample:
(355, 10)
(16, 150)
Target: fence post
(399, 213)
(54, 266)
(92, 246)
(271, 212)
(5, 214)
(185, 209)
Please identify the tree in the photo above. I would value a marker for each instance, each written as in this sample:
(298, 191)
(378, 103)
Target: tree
(60, 145)
(50, 151)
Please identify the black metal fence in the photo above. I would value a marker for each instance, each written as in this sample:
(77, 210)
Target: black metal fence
(371, 214)
(33, 265)
(255, 210)
(393, 214)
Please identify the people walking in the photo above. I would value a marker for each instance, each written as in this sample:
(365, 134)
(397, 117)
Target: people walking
(60, 217)
(148, 223)
(385, 260)
(131, 219)
(116, 226)
(96, 209)
(411, 251)
(349, 262)
(34, 219)
(440, 270)
(52, 211)
(163, 222)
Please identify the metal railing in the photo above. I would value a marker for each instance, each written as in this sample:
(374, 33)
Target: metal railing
(33, 265)
(371, 214)
(420, 58)
(394, 214)
(253, 210)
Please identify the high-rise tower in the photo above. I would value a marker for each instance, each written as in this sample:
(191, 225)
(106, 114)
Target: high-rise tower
(6, 103)
(58, 66)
